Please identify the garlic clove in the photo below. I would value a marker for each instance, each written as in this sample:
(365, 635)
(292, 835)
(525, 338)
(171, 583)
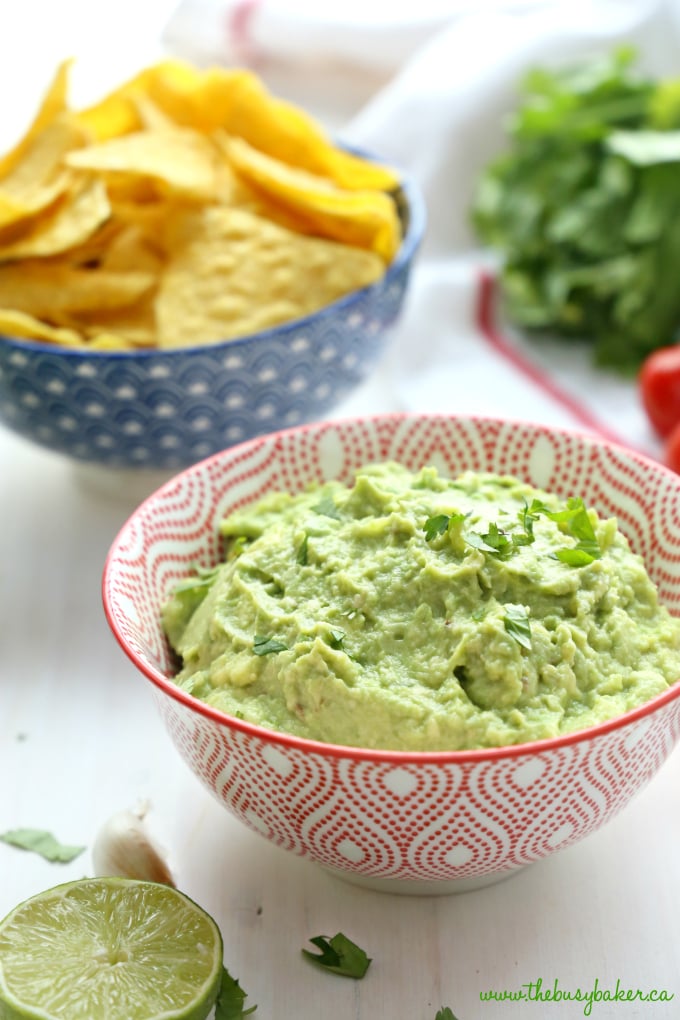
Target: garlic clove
(123, 847)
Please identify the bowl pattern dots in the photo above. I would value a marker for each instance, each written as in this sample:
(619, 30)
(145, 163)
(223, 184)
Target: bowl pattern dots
(399, 819)
(166, 409)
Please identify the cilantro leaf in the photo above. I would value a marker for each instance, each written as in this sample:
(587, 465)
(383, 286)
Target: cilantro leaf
(43, 843)
(336, 637)
(326, 506)
(582, 207)
(339, 955)
(445, 1013)
(516, 623)
(263, 645)
(436, 525)
(577, 523)
(495, 542)
(302, 552)
(230, 999)
(575, 557)
(439, 524)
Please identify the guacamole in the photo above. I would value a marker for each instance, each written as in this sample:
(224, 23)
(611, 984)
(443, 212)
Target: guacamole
(416, 612)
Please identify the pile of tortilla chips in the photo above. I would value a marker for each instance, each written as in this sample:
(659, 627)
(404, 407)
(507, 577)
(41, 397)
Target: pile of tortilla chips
(186, 207)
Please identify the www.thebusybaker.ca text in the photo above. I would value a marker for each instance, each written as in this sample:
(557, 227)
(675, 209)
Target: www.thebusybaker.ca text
(539, 991)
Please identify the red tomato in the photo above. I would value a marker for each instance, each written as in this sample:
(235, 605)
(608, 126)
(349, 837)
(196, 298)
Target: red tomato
(672, 449)
(659, 382)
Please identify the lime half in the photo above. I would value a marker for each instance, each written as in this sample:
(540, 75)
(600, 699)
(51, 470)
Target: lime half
(109, 949)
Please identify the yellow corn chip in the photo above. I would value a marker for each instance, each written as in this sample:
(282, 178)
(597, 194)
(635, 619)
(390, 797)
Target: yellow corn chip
(132, 249)
(109, 342)
(19, 324)
(54, 102)
(367, 219)
(181, 162)
(37, 179)
(279, 129)
(118, 112)
(50, 288)
(232, 273)
(70, 223)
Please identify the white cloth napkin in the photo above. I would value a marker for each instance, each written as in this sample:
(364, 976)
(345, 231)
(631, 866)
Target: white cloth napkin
(443, 78)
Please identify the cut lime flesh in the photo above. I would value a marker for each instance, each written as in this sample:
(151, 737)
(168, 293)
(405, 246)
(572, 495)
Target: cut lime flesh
(109, 949)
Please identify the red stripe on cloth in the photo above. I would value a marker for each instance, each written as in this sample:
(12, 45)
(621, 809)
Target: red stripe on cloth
(486, 322)
(239, 30)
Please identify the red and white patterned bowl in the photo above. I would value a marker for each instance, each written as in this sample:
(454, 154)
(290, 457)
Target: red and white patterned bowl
(402, 821)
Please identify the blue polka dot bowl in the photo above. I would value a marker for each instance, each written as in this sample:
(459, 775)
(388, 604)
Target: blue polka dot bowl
(161, 410)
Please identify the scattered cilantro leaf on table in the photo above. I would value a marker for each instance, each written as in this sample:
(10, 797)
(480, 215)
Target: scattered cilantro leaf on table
(231, 999)
(445, 1013)
(339, 955)
(43, 843)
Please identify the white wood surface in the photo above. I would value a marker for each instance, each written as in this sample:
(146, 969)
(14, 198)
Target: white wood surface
(80, 738)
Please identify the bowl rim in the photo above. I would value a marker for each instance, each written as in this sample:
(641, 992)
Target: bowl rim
(383, 755)
(410, 242)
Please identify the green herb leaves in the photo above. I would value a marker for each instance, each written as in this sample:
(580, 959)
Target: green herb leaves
(583, 207)
(326, 506)
(231, 999)
(43, 843)
(445, 1013)
(576, 523)
(263, 645)
(516, 623)
(339, 955)
(502, 543)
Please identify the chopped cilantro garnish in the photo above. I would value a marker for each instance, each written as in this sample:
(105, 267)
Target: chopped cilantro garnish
(339, 955)
(302, 552)
(231, 999)
(576, 522)
(326, 506)
(516, 622)
(435, 526)
(43, 843)
(440, 523)
(495, 542)
(336, 638)
(263, 645)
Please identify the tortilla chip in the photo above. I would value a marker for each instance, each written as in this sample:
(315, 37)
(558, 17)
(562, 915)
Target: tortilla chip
(132, 249)
(109, 342)
(118, 113)
(49, 289)
(38, 179)
(281, 130)
(72, 221)
(232, 273)
(367, 219)
(55, 101)
(180, 162)
(19, 324)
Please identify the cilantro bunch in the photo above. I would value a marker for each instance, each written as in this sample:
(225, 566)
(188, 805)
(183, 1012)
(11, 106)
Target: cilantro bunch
(584, 208)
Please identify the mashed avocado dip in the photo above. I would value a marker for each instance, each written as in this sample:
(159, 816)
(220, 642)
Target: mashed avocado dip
(415, 612)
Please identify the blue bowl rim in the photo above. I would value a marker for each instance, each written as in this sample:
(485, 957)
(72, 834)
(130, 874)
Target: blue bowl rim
(416, 210)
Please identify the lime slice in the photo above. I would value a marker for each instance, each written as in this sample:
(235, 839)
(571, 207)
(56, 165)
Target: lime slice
(109, 949)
